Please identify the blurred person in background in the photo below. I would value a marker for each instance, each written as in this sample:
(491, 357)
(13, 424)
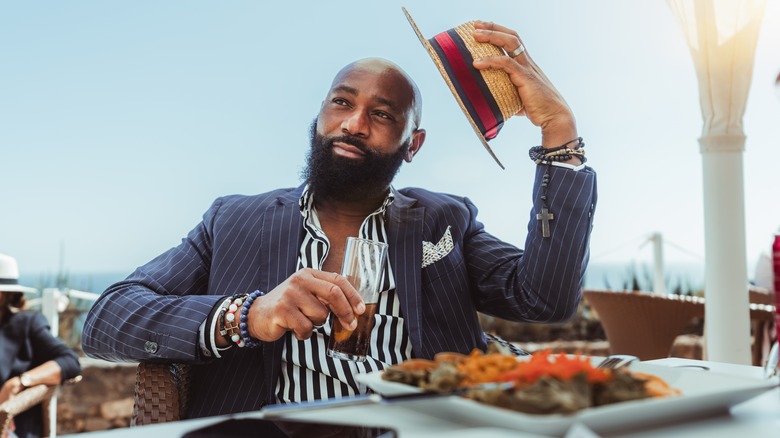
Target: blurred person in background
(29, 354)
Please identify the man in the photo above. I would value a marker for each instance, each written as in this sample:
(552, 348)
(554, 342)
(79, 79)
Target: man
(288, 244)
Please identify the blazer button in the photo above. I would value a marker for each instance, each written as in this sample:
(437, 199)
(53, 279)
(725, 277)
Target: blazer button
(150, 347)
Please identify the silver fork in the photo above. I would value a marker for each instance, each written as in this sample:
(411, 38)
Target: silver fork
(616, 361)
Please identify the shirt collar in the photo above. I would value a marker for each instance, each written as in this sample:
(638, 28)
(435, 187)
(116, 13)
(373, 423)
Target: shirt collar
(306, 201)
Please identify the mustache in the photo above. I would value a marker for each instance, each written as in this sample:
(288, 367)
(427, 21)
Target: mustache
(350, 140)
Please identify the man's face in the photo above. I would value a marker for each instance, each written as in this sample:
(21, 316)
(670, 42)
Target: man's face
(363, 132)
(334, 176)
(372, 102)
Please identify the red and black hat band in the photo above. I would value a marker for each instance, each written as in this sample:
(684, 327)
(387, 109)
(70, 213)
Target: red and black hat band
(468, 82)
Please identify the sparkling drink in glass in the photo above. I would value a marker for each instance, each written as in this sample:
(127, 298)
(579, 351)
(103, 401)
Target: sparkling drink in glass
(364, 266)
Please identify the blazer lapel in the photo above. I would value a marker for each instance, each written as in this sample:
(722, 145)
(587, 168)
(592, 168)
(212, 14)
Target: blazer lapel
(280, 241)
(404, 229)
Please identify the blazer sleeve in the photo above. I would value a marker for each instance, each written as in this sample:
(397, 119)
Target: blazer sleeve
(543, 283)
(46, 347)
(155, 314)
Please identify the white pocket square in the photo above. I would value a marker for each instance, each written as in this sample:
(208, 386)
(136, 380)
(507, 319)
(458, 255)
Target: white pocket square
(433, 253)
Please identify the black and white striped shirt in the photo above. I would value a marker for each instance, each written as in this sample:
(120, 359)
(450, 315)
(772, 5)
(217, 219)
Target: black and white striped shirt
(307, 371)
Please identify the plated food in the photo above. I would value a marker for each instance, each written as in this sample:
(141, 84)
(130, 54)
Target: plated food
(544, 384)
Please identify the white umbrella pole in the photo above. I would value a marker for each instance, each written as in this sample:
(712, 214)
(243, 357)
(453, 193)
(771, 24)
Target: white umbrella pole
(659, 282)
(727, 314)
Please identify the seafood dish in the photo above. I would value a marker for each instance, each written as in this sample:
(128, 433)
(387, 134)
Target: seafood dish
(545, 383)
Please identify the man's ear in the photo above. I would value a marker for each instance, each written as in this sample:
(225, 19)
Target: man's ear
(418, 138)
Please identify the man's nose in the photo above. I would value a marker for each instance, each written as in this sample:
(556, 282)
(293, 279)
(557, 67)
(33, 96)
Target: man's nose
(356, 123)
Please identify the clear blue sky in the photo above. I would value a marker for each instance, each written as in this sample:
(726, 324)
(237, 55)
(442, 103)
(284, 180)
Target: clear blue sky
(120, 122)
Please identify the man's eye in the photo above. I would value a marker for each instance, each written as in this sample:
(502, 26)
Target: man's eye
(383, 115)
(340, 101)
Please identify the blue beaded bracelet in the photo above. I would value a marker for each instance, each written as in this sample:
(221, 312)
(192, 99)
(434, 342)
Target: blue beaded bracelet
(248, 340)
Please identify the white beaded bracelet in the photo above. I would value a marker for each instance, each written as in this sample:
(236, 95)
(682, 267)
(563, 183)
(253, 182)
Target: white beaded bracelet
(230, 328)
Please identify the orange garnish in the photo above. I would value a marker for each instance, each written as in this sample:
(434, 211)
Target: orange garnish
(560, 366)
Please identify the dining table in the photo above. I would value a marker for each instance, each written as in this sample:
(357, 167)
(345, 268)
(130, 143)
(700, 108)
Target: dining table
(756, 417)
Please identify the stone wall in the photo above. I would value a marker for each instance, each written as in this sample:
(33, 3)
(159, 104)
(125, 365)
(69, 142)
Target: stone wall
(102, 400)
(685, 346)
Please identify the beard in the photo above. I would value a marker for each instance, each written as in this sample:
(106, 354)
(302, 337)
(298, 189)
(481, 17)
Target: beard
(331, 176)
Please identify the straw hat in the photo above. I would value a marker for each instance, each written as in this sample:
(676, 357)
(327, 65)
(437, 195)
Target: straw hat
(487, 97)
(9, 276)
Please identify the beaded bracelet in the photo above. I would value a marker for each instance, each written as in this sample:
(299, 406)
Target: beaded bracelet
(246, 338)
(230, 328)
(561, 155)
(540, 154)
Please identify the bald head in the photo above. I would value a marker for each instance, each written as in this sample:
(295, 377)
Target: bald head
(401, 87)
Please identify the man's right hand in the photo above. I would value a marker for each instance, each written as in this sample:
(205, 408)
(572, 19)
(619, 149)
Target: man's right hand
(302, 301)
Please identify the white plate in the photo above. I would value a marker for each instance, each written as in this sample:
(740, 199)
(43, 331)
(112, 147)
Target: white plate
(704, 393)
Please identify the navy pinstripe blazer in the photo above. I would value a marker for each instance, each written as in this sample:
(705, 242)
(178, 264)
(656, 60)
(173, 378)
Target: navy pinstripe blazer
(246, 243)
